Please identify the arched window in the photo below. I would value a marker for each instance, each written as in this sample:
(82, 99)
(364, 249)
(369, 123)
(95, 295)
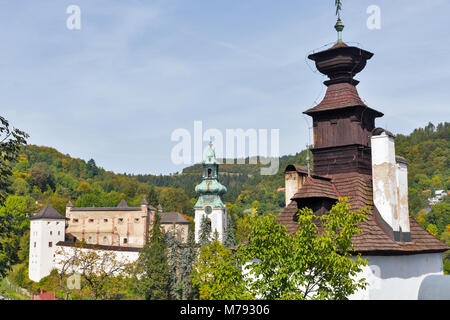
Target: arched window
(209, 173)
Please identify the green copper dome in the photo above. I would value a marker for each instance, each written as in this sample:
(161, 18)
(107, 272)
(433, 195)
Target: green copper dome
(210, 190)
(210, 187)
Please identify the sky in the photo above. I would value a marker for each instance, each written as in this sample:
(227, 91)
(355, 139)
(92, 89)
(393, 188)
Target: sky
(136, 71)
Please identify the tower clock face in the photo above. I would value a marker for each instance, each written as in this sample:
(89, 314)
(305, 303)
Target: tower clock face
(208, 210)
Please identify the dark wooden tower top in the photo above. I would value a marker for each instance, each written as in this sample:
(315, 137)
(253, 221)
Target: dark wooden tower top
(342, 121)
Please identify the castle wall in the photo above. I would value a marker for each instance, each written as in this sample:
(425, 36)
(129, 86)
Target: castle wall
(112, 228)
(63, 253)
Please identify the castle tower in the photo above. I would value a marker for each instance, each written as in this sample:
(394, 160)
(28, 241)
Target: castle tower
(210, 203)
(47, 228)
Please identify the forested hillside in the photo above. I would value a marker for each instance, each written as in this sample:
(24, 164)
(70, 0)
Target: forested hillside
(42, 175)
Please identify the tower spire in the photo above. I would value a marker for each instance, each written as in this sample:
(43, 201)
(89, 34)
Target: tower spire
(339, 26)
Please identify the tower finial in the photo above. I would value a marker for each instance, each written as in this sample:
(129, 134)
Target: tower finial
(339, 26)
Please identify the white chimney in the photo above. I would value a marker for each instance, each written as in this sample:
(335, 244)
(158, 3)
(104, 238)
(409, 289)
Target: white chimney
(403, 209)
(294, 178)
(390, 184)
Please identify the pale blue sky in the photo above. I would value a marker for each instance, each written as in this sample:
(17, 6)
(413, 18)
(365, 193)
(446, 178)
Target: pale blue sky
(137, 70)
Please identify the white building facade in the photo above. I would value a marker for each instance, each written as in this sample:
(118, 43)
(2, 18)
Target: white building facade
(46, 229)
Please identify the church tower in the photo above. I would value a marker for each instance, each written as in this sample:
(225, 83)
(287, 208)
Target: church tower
(210, 203)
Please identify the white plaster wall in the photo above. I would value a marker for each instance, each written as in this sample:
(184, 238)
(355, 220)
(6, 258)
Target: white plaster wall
(63, 253)
(384, 175)
(402, 185)
(291, 185)
(218, 222)
(42, 232)
(397, 277)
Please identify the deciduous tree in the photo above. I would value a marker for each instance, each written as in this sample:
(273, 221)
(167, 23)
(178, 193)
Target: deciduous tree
(11, 140)
(314, 263)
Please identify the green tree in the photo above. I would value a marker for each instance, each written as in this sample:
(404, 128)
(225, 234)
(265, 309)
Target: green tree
(91, 168)
(230, 233)
(11, 140)
(152, 197)
(188, 259)
(314, 263)
(152, 274)
(24, 251)
(218, 276)
(439, 216)
(433, 229)
(14, 224)
(174, 248)
(205, 231)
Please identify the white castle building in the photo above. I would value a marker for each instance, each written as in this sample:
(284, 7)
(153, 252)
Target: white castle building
(47, 228)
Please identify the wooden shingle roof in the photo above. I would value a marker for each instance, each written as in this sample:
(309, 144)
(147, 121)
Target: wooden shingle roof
(317, 188)
(373, 240)
(339, 96)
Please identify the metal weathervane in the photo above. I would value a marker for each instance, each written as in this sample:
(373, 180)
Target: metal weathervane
(339, 25)
(338, 4)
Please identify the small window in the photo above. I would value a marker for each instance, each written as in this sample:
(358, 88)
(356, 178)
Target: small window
(75, 220)
(120, 220)
(89, 239)
(136, 220)
(57, 223)
(105, 239)
(51, 232)
(59, 233)
(125, 240)
(105, 220)
(91, 220)
(35, 244)
(50, 244)
(48, 222)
